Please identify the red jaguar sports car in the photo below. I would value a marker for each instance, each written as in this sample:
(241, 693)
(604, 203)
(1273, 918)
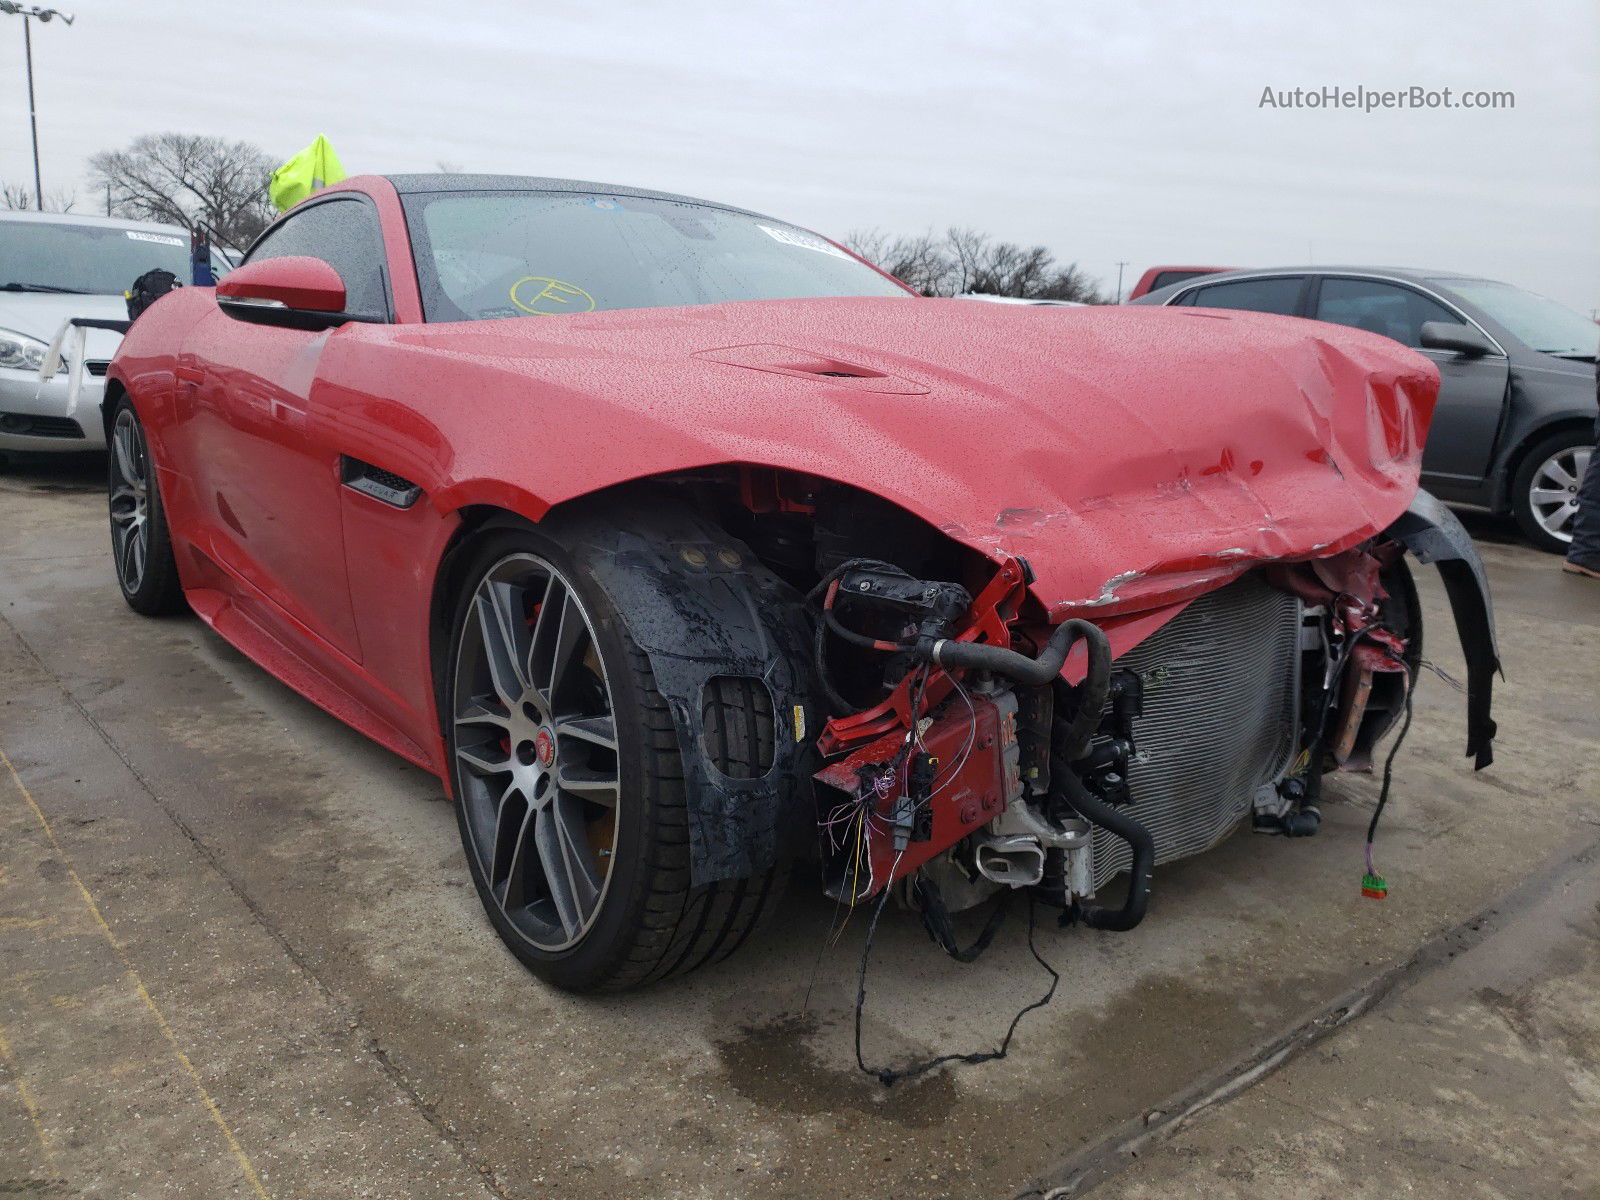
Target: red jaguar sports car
(686, 546)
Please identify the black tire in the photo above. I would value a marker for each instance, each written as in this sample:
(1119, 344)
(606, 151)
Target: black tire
(1525, 507)
(141, 546)
(649, 921)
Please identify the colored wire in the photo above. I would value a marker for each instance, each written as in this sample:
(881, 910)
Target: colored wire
(889, 1076)
(1388, 768)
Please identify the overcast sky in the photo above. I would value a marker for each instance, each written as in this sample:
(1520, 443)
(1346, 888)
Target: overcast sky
(1107, 131)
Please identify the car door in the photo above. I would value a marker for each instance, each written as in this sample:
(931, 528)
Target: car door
(1472, 390)
(268, 481)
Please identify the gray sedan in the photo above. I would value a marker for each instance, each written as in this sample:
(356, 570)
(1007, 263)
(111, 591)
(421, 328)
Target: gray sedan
(1515, 425)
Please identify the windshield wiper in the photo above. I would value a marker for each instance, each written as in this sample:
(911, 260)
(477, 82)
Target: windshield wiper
(40, 287)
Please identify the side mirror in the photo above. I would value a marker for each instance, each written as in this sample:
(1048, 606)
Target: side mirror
(1447, 335)
(302, 293)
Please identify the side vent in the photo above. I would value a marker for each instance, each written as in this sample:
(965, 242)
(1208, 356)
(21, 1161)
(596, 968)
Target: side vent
(394, 490)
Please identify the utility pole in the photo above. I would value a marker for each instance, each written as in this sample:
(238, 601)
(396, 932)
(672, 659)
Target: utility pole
(1120, 265)
(13, 9)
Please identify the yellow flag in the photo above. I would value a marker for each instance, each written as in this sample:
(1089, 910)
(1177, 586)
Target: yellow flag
(314, 167)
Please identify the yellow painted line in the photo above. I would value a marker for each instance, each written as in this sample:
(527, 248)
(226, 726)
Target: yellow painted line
(133, 976)
(28, 1104)
(26, 922)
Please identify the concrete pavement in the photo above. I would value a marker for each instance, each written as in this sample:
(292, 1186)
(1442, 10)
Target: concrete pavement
(239, 954)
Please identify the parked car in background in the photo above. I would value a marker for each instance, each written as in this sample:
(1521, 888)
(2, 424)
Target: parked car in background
(1160, 277)
(56, 266)
(1515, 422)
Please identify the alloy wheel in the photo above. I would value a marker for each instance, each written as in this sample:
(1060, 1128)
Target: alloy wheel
(130, 501)
(1553, 492)
(535, 744)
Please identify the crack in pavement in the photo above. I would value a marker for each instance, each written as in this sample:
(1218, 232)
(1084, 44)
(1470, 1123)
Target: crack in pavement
(1120, 1149)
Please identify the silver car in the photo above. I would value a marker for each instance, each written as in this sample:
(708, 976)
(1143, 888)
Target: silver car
(54, 267)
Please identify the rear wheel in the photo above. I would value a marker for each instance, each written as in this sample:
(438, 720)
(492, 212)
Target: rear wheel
(141, 547)
(569, 787)
(1544, 496)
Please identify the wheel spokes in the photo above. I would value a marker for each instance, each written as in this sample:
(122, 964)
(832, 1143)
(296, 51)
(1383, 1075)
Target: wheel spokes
(133, 572)
(536, 749)
(127, 452)
(486, 759)
(130, 529)
(569, 868)
(597, 731)
(124, 502)
(559, 633)
(584, 783)
(509, 870)
(1556, 472)
(505, 638)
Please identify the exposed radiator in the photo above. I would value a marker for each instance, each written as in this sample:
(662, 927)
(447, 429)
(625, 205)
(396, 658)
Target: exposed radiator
(1221, 682)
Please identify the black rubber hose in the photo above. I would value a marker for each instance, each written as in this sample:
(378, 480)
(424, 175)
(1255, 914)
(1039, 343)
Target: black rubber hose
(1097, 812)
(1073, 744)
(1031, 671)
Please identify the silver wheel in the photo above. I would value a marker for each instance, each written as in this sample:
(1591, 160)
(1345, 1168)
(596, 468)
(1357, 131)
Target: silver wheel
(535, 737)
(1553, 491)
(130, 501)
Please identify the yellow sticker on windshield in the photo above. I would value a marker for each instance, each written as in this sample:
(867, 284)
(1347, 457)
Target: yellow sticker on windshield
(551, 296)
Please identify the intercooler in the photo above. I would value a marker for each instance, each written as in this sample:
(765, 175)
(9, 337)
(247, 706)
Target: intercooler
(1221, 682)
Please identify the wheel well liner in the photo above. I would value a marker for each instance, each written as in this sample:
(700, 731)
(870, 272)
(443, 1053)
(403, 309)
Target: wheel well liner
(702, 606)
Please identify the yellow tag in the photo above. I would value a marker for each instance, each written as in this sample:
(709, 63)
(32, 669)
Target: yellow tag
(543, 296)
(799, 723)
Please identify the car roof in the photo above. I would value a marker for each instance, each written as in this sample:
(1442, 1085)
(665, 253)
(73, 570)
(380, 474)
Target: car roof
(1415, 274)
(410, 185)
(50, 218)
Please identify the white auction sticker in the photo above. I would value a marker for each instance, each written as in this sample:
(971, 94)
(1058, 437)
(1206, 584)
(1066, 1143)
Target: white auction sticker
(794, 237)
(163, 239)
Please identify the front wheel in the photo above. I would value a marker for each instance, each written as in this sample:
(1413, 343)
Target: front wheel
(1544, 496)
(141, 546)
(569, 787)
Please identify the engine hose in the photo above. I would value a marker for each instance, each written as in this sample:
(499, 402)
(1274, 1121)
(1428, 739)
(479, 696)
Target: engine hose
(1073, 743)
(1033, 672)
(1097, 812)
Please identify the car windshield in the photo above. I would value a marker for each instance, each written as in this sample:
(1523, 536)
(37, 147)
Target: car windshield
(1548, 327)
(99, 259)
(511, 254)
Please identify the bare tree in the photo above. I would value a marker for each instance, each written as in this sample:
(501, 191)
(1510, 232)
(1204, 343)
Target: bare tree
(202, 183)
(919, 262)
(20, 196)
(969, 260)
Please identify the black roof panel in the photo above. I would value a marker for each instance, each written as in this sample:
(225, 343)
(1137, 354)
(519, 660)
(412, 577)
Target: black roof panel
(408, 185)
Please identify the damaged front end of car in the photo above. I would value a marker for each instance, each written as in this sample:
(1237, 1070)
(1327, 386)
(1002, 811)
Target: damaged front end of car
(1017, 623)
(925, 727)
(1011, 754)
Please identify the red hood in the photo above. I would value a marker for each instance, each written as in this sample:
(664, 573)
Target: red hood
(1133, 455)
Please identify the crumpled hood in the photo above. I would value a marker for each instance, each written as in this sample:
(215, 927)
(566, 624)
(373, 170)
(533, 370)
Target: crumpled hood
(1133, 455)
